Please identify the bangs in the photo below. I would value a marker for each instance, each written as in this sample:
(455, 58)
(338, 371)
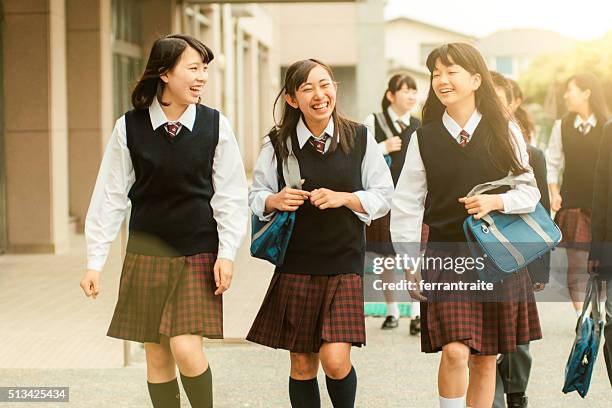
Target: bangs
(448, 54)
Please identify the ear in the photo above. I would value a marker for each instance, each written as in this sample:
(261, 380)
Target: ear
(476, 81)
(587, 94)
(389, 96)
(164, 77)
(291, 101)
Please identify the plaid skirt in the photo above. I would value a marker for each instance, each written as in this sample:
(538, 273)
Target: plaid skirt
(575, 225)
(167, 296)
(486, 327)
(300, 312)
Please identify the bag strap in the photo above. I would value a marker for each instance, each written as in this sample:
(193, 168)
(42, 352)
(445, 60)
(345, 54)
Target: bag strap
(591, 299)
(382, 121)
(291, 168)
(510, 180)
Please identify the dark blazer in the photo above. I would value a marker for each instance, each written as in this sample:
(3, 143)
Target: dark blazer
(539, 270)
(601, 216)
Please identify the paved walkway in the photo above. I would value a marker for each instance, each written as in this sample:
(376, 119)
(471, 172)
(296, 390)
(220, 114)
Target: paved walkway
(52, 336)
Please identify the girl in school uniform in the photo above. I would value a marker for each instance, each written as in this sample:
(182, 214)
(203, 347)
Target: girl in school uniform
(177, 163)
(392, 128)
(573, 145)
(463, 122)
(314, 305)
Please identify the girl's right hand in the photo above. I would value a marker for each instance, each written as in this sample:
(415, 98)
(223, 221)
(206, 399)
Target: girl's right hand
(393, 144)
(288, 199)
(555, 202)
(91, 283)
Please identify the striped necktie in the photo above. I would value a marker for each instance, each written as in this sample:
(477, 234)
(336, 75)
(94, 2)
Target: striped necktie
(318, 144)
(173, 128)
(584, 128)
(465, 138)
(401, 124)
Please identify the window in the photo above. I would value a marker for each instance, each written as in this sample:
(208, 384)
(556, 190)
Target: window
(127, 52)
(504, 65)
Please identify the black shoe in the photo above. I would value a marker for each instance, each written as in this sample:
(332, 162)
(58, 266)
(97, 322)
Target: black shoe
(415, 326)
(516, 400)
(390, 323)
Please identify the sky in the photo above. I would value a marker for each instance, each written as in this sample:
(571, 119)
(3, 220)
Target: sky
(482, 17)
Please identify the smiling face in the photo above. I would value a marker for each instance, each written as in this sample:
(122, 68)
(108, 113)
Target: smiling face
(575, 98)
(453, 84)
(315, 98)
(402, 100)
(185, 81)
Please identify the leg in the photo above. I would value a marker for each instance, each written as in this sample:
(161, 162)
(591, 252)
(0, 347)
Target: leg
(608, 330)
(303, 384)
(499, 401)
(452, 373)
(195, 373)
(577, 276)
(161, 375)
(481, 388)
(341, 378)
(515, 369)
(393, 314)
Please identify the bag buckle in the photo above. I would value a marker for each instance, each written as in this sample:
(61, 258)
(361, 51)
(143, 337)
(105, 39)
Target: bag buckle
(485, 229)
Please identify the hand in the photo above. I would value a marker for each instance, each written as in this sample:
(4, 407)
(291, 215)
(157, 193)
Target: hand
(482, 204)
(393, 144)
(555, 202)
(288, 199)
(538, 286)
(592, 266)
(91, 283)
(323, 198)
(414, 277)
(224, 271)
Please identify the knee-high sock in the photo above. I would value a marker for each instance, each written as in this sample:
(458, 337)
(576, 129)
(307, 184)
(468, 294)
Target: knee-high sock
(165, 395)
(304, 393)
(342, 392)
(452, 402)
(199, 389)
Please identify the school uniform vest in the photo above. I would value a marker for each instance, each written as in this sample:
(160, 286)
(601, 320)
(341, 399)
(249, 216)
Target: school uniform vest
(452, 171)
(330, 241)
(397, 158)
(580, 153)
(171, 212)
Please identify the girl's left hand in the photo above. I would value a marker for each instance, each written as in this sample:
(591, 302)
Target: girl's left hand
(482, 204)
(224, 271)
(323, 198)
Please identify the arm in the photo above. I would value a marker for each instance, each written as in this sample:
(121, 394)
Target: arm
(369, 123)
(265, 182)
(555, 161)
(229, 202)
(109, 201)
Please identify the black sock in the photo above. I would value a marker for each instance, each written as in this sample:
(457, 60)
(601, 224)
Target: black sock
(342, 392)
(199, 389)
(304, 393)
(165, 395)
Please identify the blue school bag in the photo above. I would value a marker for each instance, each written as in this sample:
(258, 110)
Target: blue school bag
(270, 239)
(582, 358)
(509, 242)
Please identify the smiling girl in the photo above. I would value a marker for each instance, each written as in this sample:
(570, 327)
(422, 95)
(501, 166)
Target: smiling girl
(464, 123)
(314, 305)
(573, 147)
(188, 217)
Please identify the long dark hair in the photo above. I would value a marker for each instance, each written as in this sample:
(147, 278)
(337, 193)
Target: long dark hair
(521, 115)
(597, 101)
(500, 145)
(396, 83)
(296, 75)
(165, 53)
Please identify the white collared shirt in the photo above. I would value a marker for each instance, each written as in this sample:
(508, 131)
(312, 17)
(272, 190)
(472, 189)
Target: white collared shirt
(555, 159)
(454, 129)
(369, 122)
(408, 202)
(110, 203)
(376, 179)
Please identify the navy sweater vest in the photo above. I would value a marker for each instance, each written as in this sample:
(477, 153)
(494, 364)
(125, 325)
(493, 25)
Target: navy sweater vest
(330, 241)
(171, 213)
(452, 171)
(580, 158)
(397, 158)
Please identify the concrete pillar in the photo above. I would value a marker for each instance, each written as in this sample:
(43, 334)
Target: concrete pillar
(212, 38)
(371, 63)
(230, 77)
(241, 73)
(252, 135)
(158, 18)
(90, 106)
(35, 125)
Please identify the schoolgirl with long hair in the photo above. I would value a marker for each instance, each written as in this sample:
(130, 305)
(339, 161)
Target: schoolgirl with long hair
(466, 139)
(314, 304)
